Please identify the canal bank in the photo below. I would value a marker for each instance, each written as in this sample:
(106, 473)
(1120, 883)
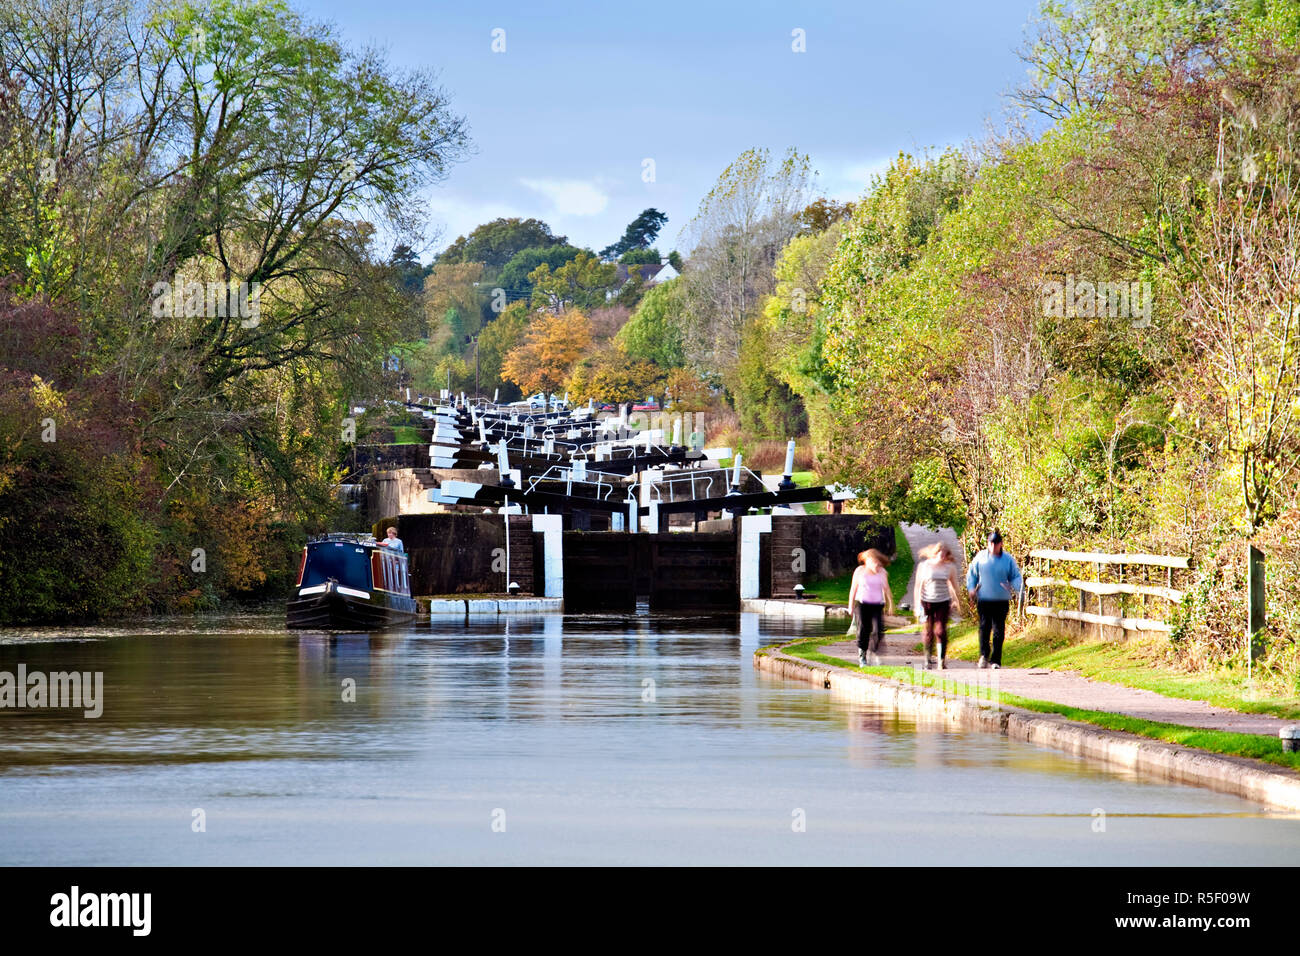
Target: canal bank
(975, 705)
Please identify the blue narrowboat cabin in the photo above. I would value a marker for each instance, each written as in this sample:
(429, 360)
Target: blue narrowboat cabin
(350, 582)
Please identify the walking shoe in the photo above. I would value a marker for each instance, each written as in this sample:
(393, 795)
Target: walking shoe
(996, 666)
(982, 662)
(929, 662)
(943, 664)
(862, 659)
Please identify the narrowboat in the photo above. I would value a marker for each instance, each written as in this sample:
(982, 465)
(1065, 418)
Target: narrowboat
(350, 582)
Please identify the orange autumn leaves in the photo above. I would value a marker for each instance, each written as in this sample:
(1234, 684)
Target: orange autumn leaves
(552, 345)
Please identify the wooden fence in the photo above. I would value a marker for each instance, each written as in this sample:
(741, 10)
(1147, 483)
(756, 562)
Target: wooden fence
(1116, 593)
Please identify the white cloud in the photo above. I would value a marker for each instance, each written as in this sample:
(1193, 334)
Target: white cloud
(570, 197)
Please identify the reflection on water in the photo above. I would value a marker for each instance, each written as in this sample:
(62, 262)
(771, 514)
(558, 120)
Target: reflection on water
(590, 739)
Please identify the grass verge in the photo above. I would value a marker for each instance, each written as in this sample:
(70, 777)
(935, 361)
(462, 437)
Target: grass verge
(1140, 663)
(836, 590)
(1253, 746)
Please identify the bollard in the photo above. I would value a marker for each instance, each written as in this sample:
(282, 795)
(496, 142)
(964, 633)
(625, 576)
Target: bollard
(1290, 738)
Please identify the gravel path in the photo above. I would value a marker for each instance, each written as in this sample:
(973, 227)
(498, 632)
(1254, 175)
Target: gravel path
(919, 536)
(1060, 687)
(1063, 687)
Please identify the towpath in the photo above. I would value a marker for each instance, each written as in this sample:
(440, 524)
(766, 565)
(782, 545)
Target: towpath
(1072, 690)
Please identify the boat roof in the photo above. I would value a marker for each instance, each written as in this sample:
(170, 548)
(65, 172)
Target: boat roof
(345, 537)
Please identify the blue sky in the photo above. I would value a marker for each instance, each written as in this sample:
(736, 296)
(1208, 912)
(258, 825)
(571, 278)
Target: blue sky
(564, 119)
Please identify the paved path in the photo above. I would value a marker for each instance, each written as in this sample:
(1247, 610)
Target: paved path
(1063, 687)
(919, 536)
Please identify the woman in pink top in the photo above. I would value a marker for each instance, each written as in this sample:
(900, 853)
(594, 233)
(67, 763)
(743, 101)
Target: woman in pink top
(868, 597)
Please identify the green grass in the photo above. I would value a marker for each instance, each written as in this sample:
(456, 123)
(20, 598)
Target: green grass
(836, 590)
(1134, 663)
(1253, 746)
(900, 569)
(406, 435)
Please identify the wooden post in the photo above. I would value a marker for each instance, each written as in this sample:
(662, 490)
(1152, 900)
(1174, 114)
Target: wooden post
(1256, 607)
(1101, 602)
(1120, 598)
(1146, 580)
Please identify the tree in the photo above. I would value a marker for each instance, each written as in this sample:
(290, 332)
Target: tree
(687, 391)
(640, 234)
(552, 345)
(796, 322)
(656, 330)
(640, 257)
(452, 296)
(77, 499)
(1245, 306)
(767, 407)
(410, 271)
(203, 183)
(498, 338)
(230, 142)
(582, 283)
(514, 276)
(611, 375)
(741, 226)
(822, 213)
(495, 242)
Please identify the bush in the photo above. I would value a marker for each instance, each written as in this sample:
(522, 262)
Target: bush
(769, 456)
(1209, 626)
(76, 539)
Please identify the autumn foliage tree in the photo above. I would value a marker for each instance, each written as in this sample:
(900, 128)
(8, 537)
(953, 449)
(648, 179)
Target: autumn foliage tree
(611, 375)
(552, 346)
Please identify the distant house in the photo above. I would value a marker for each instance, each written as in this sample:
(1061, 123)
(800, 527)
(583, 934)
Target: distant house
(648, 271)
(652, 273)
(664, 273)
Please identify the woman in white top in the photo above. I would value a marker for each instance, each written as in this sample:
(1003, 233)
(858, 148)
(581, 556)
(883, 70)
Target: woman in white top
(868, 597)
(937, 586)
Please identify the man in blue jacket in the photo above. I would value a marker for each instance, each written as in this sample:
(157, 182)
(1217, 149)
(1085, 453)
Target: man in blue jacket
(993, 580)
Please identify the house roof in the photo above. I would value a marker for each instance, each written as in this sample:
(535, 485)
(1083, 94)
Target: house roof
(649, 271)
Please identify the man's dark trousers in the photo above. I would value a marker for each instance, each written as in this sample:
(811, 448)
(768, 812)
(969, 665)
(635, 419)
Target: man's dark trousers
(993, 618)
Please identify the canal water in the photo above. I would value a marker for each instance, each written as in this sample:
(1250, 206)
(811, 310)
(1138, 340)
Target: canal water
(584, 740)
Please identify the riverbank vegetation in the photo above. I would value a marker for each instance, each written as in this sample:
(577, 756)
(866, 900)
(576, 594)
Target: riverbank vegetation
(1084, 330)
(191, 293)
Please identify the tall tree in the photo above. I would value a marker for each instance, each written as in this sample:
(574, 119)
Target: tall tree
(583, 283)
(514, 277)
(742, 224)
(495, 242)
(1245, 306)
(656, 330)
(641, 233)
(552, 346)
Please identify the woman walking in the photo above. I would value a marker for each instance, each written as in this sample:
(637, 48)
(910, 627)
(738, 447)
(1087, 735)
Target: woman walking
(868, 598)
(937, 586)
